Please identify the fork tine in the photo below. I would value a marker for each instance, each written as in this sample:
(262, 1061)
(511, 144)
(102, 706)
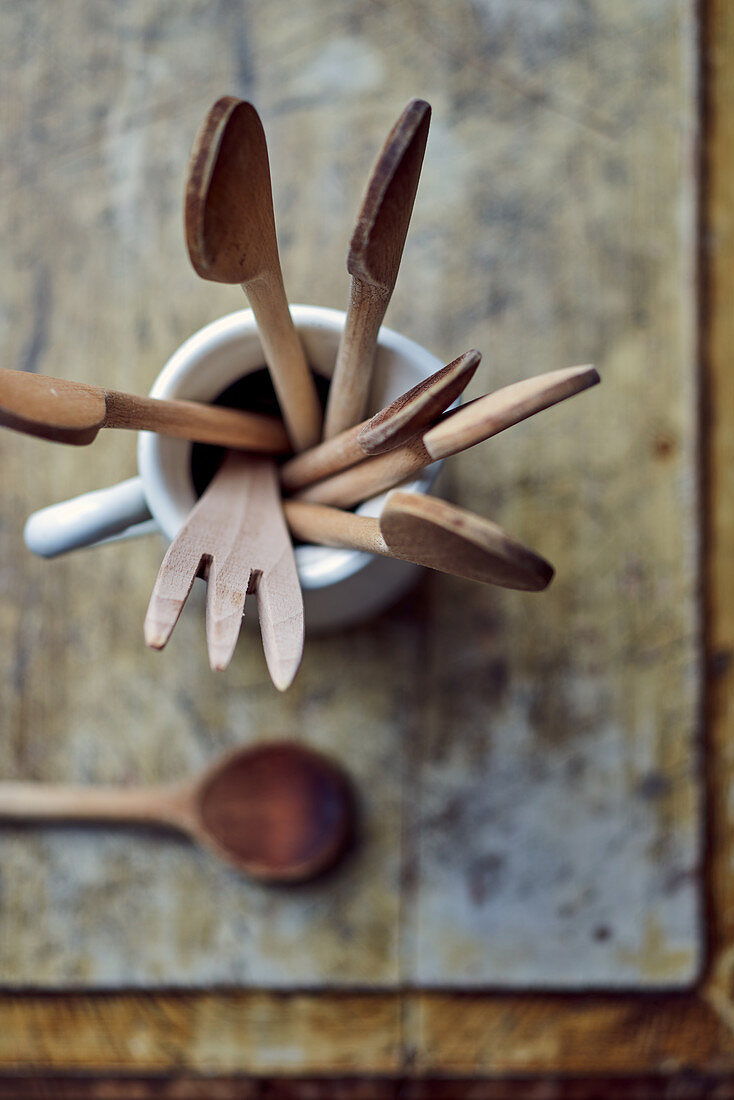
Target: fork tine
(225, 610)
(280, 610)
(172, 586)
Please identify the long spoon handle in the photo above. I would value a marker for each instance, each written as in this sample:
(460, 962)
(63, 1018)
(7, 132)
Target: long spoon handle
(329, 457)
(286, 360)
(198, 422)
(456, 431)
(326, 526)
(353, 369)
(368, 477)
(413, 412)
(51, 802)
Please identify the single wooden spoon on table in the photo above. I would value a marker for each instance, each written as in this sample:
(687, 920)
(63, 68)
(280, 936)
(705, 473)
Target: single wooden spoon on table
(429, 532)
(374, 258)
(397, 422)
(279, 811)
(236, 537)
(456, 431)
(73, 412)
(230, 235)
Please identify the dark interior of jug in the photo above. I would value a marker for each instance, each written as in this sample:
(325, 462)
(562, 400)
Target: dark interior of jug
(254, 392)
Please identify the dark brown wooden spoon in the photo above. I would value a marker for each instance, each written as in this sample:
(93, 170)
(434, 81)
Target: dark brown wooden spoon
(230, 235)
(279, 811)
(375, 252)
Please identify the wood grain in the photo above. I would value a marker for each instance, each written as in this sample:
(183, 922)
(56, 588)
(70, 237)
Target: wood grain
(585, 97)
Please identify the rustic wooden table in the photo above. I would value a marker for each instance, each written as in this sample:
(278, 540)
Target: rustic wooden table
(556, 222)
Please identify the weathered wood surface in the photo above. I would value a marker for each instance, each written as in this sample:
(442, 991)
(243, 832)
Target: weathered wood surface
(528, 764)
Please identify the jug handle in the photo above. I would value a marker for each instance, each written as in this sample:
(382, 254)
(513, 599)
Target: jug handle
(104, 515)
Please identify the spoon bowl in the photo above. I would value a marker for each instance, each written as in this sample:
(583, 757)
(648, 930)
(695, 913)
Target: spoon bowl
(228, 209)
(278, 811)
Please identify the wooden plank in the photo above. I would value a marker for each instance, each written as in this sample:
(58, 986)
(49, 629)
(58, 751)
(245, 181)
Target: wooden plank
(94, 188)
(558, 804)
(212, 1033)
(513, 742)
(695, 1087)
(660, 1033)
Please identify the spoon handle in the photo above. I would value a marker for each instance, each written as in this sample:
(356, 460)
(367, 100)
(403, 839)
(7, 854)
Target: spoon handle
(486, 416)
(333, 527)
(456, 431)
(370, 476)
(413, 412)
(353, 370)
(196, 421)
(284, 354)
(162, 805)
(322, 461)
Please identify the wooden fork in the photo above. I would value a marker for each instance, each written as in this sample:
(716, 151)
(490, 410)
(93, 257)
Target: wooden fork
(236, 537)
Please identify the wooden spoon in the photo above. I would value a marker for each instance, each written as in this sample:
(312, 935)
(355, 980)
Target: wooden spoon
(374, 257)
(278, 812)
(397, 422)
(236, 537)
(230, 234)
(73, 412)
(455, 431)
(429, 532)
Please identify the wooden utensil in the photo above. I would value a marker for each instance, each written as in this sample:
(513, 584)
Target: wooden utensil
(236, 536)
(230, 235)
(374, 257)
(429, 532)
(397, 422)
(456, 431)
(73, 412)
(278, 811)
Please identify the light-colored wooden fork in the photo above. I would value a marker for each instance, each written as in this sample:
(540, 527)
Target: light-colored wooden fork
(236, 537)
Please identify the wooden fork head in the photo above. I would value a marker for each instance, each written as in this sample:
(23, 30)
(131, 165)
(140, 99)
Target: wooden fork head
(237, 539)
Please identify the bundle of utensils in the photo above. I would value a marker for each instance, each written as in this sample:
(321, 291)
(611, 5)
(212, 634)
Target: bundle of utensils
(298, 478)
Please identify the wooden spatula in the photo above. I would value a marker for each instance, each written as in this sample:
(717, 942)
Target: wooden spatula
(456, 431)
(236, 536)
(374, 257)
(399, 421)
(230, 234)
(429, 532)
(73, 412)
